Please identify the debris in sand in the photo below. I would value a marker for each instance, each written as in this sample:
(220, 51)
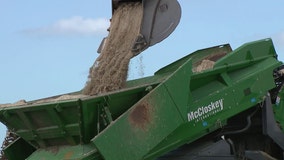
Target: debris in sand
(46, 100)
(204, 65)
(60, 98)
(18, 103)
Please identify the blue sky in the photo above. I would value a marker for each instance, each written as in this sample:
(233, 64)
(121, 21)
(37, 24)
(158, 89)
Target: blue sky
(47, 47)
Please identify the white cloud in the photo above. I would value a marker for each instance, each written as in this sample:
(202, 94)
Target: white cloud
(77, 26)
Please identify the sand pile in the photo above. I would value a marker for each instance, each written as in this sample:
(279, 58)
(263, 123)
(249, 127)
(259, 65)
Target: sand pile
(110, 69)
(204, 65)
(208, 62)
(18, 103)
(60, 98)
(46, 100)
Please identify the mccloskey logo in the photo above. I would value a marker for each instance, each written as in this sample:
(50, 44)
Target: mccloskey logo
(206, 111)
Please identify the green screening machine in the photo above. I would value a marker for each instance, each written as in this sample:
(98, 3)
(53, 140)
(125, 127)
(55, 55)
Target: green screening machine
(233, 109)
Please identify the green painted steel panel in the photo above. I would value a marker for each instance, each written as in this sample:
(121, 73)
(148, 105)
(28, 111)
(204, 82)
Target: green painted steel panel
(212, 53)
(279, 109)
(18, 150)
(79, 152)
(214, 96)
(152, 115)
(149, 121)
(140, 128)
(45, 125)
(248, 53)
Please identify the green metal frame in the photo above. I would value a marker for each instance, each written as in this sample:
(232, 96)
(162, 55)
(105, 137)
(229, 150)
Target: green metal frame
(152, 115)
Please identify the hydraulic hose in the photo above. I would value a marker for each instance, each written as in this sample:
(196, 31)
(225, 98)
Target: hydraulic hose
(245, 128)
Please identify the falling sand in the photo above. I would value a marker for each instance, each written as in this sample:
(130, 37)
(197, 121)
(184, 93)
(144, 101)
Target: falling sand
(110, 69)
